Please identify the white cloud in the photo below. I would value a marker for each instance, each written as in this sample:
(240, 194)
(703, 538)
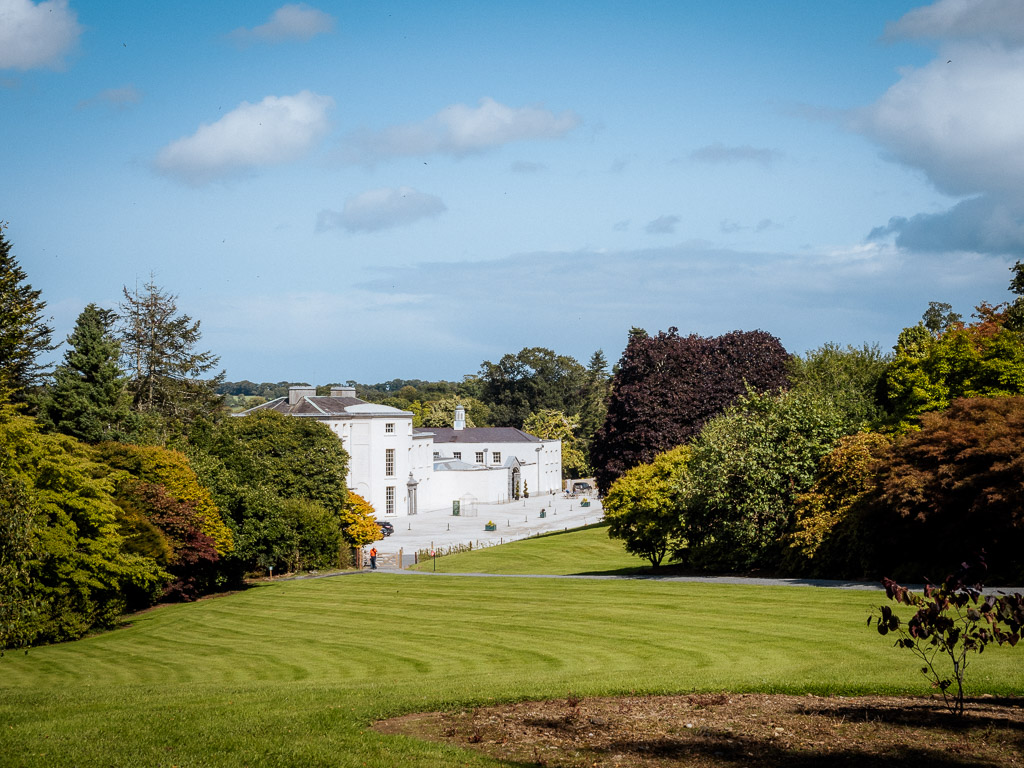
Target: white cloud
(277, 130)
(381, 209)
(718, 154)
(289, 22)
(994, 20)
(460, 130)
(663, 225)
(960, 120)
(36, 36)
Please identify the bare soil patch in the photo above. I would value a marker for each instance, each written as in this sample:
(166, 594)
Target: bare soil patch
(721, 730)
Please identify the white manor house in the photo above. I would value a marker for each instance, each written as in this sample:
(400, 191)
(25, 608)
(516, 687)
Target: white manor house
(401, 469)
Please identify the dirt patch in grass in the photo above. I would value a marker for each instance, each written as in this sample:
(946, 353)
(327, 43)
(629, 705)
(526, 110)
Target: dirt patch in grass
(719, 730)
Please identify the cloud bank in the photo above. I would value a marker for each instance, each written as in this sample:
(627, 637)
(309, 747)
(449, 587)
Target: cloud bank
(460, 130)
(277, 130)
(960, 120)
(289, 22)
(991, 20)
(380, 209)
(36, 36)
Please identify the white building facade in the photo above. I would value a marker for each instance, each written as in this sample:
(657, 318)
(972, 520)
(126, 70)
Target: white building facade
(400, 469)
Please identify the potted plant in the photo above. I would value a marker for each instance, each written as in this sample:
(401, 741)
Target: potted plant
(490, 526)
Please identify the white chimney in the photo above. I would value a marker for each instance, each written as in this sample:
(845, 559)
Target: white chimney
(460, 417)
(343, 391)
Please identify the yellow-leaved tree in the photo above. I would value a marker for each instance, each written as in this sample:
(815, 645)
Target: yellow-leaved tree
(359, 521)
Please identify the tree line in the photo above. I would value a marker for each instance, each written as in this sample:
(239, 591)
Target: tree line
(121, 483)
(729, 455)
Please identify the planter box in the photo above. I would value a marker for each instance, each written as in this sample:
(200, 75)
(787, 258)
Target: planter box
(584, 503)
(543, 513)
(490, 527)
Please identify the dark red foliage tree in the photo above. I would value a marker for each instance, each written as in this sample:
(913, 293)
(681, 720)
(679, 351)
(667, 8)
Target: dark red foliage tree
(954, 489)
(667, 386)
(194, 557)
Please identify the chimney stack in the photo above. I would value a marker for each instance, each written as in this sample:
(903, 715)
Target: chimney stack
(297, 393)
(460, 417)
(343, 392)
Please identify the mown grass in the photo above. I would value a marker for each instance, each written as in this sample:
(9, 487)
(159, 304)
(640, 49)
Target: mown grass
(581, 550)
(291, 674)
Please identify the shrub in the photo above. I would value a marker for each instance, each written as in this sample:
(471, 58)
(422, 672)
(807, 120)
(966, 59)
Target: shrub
(953, 621)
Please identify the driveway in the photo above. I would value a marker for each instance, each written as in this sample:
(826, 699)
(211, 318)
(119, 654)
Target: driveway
(441, 530)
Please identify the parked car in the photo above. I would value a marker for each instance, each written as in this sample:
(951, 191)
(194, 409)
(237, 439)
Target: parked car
(386, 528)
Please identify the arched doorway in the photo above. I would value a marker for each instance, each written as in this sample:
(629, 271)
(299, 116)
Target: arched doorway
(514, 487)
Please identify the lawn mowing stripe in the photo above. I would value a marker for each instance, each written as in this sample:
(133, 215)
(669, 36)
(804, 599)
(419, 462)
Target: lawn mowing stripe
(290, 674)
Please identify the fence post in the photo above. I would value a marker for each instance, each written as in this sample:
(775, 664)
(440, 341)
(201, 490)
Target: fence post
(401, 558)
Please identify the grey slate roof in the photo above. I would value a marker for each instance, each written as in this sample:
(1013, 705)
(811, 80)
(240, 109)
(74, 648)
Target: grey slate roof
(326, 407)
(478, 435)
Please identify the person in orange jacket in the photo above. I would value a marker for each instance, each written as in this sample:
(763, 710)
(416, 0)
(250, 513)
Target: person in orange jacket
(373, 558)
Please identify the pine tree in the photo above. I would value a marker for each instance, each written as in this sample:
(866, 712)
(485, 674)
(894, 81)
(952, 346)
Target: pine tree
(159, 350)
(24, 334)
(89, 399)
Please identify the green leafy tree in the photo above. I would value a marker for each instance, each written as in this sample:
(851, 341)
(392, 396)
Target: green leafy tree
(441, 413)
(597, 389)
(531, 380)
(643, 506)
(24, 333)
(281, 481)
(852, 377)
(165, 371)
(88, 399)
(79, 572)
(17, 604)
(982, 359)
(1015, 314)
(555, 425)
(747, 468)
(294, 458)
(940, 317)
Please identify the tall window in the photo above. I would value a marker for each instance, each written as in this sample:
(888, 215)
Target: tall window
(479, 457)
(496, 457)
(389, 427)
(389, 462)
(389, 500)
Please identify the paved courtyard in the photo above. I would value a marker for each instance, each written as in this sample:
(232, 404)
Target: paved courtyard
(440, 529)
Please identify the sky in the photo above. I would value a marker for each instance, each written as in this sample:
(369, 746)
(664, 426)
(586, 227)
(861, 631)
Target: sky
(371, 191)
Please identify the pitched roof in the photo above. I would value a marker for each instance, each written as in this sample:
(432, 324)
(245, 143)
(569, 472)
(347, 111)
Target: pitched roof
(478, 435)
(327, 407)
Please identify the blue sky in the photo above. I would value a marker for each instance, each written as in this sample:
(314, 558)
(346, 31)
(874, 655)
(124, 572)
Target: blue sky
(403, 190)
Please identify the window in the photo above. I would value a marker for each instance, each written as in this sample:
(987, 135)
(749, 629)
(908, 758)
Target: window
(479, 457)
(437, 455)
(389, 500)
(458, 454)
(389, 462)
(389, 427)
(496, 457)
